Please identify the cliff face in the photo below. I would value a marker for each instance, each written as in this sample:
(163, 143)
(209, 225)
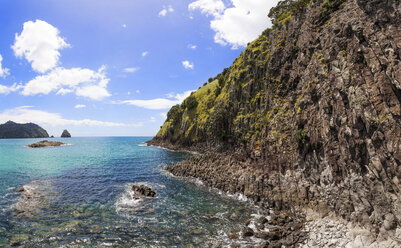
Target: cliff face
(14, 130)
(307, 116)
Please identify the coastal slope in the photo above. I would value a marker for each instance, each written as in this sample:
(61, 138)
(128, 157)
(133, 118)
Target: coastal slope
(307, 117)
(12, 130)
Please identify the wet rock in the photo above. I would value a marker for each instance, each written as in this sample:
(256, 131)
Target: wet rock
(19, 239)
(45, 143)
(95, 229)
(247, 232)
(33, 197)
(142, 191)
(233, 235)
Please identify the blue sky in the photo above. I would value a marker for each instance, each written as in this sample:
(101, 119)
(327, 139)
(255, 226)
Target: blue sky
(114, 67)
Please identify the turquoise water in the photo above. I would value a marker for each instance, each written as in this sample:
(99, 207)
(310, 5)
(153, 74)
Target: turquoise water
(85, 198)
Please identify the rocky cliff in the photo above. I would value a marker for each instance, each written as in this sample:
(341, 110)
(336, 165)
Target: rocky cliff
(307, 117)
(10, 130)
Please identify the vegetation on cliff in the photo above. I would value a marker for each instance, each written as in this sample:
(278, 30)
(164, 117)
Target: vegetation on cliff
(309, 114)
(10, 130)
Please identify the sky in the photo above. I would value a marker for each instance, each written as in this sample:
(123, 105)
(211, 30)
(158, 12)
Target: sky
(115, 67)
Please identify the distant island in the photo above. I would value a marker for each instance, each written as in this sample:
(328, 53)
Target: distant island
(65, 134)
(12, 130)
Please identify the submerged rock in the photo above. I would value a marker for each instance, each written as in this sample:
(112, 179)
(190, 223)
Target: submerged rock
(33, 197)
(142, 191)
(45, 143)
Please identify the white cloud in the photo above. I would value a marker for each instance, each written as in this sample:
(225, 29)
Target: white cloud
(158, 103)
(238, 24)
(163, 115)
(84, 82)
(144, 53)
(8, 89)
(26, 114)
(152, 119)
(208, 7)
(124, 25)
(131, 69)
(4, 72)
(78, 106)
(193, 47)
(165, 10)
(39, 43)
(138, 91)
(187, 64)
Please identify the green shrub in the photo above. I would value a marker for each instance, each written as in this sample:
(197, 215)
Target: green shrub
(219, 121)
(190, 103)
(285, 9)
(329, 6)
(301, 136)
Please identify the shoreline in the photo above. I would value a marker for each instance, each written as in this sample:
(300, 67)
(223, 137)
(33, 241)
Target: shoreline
(311, 221)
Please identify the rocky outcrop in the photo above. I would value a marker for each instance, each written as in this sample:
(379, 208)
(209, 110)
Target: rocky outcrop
(142, 191)
(307, 117)
(65, 134)
(12, 130)
(45, 143)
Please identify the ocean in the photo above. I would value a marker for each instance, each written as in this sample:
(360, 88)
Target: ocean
(81, 197)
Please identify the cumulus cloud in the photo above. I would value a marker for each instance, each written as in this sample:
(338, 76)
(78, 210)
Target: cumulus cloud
(208, 7)
(187, 64)
(131, 69)
(240, 23)
(26, 114)
(124, 25)
(165, 10)
(84, 82)
(5, 90)
(193, 47)
(39, 43)
(4, 72)
(158, 103)
(144, 53)
(78, 106)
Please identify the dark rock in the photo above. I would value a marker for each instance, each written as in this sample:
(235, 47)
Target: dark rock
(142, 191)
(247, 232)
(65, 134)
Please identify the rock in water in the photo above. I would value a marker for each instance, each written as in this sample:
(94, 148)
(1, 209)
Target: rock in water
(65, 134)
(142, 191)
(33, 197)
(45, 143)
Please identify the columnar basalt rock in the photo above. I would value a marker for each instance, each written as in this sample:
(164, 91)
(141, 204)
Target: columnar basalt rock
(311, 118)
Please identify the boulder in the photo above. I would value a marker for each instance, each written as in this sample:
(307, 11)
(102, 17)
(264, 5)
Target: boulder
(142, 191)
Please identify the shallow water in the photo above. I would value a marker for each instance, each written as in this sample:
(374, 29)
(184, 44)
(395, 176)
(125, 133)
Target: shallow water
(89, 203)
